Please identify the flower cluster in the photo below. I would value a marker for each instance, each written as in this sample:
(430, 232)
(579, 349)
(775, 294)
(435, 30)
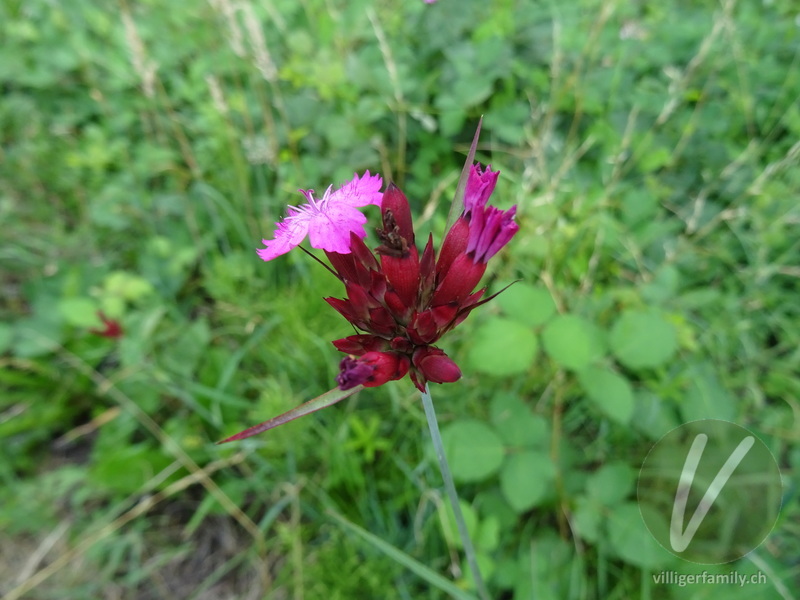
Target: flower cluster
(402, 300)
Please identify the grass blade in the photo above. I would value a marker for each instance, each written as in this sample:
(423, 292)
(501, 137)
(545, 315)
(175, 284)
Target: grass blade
(404, 559)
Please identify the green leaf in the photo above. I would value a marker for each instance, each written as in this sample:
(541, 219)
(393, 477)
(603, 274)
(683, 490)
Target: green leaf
(127, 285)
(573, 342)
(611, 484)
(502, 347)
(526, 479)
(527, 304)
(653, 415)
(80, 312)
(631, 540)
(6, 336)
(642, 340)
(35, 336)
(516, 424)
(663, 286)
(448, 520)
(183, 353)
(127, 468)
(705, 397)
(473, 450)
(610, 392)
(586, 518)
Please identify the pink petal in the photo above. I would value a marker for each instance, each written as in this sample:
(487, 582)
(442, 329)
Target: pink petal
(328, 221)
(289, 233)
(330, 229)
(359, 191)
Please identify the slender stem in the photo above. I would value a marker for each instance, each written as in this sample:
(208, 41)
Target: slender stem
(452, 495)
(335, 274)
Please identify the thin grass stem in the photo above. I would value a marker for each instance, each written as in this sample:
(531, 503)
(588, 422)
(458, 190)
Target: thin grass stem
(452, 495)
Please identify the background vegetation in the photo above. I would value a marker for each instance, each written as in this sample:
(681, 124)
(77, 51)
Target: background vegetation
(652, 149)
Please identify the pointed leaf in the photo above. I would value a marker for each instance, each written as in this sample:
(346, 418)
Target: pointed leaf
(458, 200)
(327, 399)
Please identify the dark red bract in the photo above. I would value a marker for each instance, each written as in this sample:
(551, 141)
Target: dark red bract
(405, 301)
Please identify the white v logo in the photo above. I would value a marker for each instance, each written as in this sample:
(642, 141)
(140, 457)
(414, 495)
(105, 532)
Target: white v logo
(680, 540)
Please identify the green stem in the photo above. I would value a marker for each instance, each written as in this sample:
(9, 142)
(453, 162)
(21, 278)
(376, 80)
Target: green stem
(449, 485)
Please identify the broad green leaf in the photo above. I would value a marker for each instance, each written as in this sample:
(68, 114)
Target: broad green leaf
(612, 483)
(127, 285)
(611, 393)
(526, 478)
(516, 424)
(705, 397)
(545, 570)
(527, 304)
(448, 520)
(653, 416)
(631, 540)
(573, 342)
(663, 285)
(587, 517)
(502, 347)
(80, 312)
(642, 340)
(473, 450)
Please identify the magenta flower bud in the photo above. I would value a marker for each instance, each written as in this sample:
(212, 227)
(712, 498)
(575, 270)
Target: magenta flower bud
(480, 186)
(489, 230)
(352, 372)
(371, 369)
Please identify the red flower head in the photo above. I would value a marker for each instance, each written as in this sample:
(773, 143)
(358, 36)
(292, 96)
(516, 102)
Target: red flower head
(112, 328)
(405, 302)
(402, 301)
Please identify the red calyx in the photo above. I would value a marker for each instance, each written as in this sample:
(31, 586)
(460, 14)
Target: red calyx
(432, 364)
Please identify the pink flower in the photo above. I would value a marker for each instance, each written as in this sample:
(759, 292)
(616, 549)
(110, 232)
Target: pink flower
(328, 221)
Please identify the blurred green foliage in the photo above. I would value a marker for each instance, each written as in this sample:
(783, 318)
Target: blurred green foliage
(652, 150)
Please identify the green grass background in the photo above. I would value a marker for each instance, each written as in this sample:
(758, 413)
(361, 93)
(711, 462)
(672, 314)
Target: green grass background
(652, 149)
